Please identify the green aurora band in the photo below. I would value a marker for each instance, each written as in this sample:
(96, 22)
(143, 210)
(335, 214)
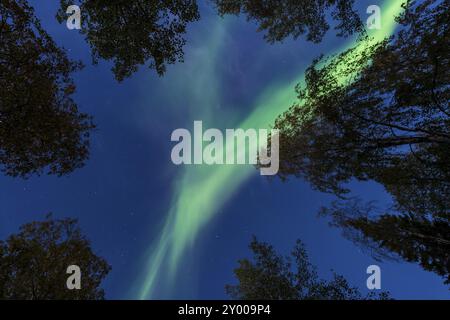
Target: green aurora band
(203, 190)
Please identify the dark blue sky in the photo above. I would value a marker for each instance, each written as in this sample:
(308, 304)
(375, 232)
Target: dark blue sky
(123, 194)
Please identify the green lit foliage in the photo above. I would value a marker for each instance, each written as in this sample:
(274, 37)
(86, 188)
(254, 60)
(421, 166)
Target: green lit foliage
(389, 123)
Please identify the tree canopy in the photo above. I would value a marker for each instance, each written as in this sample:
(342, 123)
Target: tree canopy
(41, 129)
(390, 124)
(134, 33)
(271, 276)
(394, 117)
(295, 18)
(389, 235)
(33, 263)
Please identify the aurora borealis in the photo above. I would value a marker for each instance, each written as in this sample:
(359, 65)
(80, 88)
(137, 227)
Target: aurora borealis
(178, 231)
(203, 190)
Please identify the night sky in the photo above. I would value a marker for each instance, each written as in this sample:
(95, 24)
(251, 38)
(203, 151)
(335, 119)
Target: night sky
(127, 197)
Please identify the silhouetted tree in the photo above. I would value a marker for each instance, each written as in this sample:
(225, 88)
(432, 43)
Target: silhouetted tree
(415, 239)
(295, 18)
(33, 263)
(40, 126)
(132, 33)
(271, 276)
(391, 124)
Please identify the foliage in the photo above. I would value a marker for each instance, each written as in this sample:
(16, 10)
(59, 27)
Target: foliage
(389, 123)
(295, 18)
(132, 33)
(270, 276)
(33, 263)
(389, 235)
(41, 129)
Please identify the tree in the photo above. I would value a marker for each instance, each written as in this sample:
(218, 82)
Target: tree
(41, 129)
(33, 263)
(371, 127)
(132, 33)
(390, 124)
(271, 276)
(295, 18)
(415, 239)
